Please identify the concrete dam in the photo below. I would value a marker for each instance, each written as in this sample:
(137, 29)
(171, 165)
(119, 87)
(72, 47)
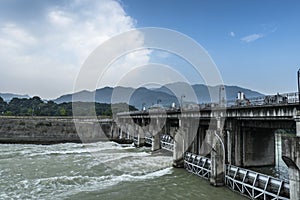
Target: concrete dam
(217, 143)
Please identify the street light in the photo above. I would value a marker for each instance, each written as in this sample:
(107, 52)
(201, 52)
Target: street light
(181, 101)
(221, 97)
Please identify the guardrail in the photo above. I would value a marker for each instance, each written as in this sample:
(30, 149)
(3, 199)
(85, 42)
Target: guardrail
(256, 185)
(135, 140)
(285, 98)
(249, 183)
(167, 142)
(148, 140)
(198, 165)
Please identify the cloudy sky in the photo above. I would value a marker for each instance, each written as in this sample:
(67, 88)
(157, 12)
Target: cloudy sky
(43, 44)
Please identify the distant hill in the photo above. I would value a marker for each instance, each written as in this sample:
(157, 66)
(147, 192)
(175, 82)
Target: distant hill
(9, 96)
(203, 93)
(135, 97)
(164, 95)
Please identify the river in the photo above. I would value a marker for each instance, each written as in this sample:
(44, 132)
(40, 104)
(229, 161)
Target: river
(103, 170)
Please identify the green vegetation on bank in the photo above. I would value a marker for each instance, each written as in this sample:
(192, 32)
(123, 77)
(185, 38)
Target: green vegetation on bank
(36, 107)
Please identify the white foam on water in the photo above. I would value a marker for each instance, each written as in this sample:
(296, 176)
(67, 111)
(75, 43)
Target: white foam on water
(112, 164)
(64, 186)
(64, 149)
(118, 156)
(96, 185)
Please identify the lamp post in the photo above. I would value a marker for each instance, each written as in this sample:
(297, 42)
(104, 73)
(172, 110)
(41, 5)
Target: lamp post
(181, 101)
(221, 97)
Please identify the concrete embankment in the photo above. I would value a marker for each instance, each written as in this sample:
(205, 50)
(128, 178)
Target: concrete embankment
(39, 130)
(51, 130)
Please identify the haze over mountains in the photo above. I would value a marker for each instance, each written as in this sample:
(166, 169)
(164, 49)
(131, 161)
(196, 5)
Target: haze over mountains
(9, 96)
(164, 95)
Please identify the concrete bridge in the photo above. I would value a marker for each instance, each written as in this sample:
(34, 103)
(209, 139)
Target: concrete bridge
(238, 136)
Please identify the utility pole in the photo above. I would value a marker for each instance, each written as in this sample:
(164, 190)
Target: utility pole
(181, 101)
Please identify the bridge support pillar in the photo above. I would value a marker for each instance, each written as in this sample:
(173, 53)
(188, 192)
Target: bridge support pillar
(155, 142)
(130, 131)
(297, 119)
(217, 158)
(141, 136)
(155, 132)
(291, 157)
(121, 132)
(184, 138)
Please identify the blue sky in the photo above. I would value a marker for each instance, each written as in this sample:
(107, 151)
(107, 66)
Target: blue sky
(254, 44)
(43, 44)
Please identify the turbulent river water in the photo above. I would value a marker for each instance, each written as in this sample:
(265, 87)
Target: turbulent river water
(103, 170)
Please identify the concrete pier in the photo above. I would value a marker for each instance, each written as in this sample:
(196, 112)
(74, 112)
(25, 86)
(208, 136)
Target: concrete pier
(141, 136)
(184, 139)
(291, 157)
(217, 159)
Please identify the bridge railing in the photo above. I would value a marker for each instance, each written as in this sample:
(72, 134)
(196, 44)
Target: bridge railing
(277, 99)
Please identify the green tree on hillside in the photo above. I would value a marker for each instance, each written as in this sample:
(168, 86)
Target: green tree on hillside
(37, 107)
(3, 106)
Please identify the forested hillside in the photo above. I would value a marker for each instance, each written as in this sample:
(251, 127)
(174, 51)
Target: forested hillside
(36, 107)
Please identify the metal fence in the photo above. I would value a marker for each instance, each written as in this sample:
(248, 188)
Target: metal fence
(167, 142)
(198, 165)
(148, 140)
(277, 99)
(256, 185)
(249, 183)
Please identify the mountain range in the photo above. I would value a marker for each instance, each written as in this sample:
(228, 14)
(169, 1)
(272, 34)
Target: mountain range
(9, 96)
(165, 95)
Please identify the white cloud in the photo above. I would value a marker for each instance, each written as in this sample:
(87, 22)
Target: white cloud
(44, 56)
(58, 17)
(232, 34)
(125, 66)
(252, 38)
(11, 32)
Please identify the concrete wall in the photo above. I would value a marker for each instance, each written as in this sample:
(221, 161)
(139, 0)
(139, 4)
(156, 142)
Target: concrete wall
(291, 157)
(47, 130)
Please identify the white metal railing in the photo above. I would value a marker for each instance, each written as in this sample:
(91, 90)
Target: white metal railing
(148, 140)
(285, 98)
(198, 165)
(135, 140)
(249, 183)
(256, 185)
(167, 142)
